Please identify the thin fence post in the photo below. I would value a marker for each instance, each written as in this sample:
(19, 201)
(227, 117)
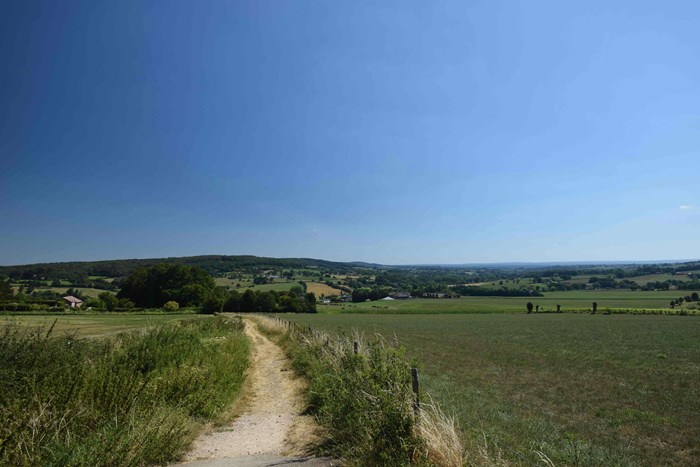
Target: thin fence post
(355, 347)
(416, 389)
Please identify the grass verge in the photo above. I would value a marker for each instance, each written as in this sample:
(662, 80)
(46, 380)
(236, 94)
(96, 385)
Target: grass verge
(132, 399)
(364, 400)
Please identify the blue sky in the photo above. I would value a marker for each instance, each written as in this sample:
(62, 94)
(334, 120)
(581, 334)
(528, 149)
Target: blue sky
(393, 132)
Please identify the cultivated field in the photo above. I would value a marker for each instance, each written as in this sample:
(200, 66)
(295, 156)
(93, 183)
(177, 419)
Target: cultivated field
(580, 389)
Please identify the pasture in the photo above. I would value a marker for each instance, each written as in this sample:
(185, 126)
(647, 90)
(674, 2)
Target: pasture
(570, 301)
(581, 389)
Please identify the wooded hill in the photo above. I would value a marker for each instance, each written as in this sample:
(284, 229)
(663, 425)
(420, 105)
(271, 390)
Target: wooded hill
(215, 265)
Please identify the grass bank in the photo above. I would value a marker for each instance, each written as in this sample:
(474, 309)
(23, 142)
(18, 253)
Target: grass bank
(135, 398)
(364, 400)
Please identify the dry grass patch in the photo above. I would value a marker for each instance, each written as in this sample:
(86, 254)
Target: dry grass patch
(322, 289)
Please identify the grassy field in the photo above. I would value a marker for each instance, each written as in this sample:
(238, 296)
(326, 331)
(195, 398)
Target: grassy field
(582, 389)
(94, 325)
(575, 300)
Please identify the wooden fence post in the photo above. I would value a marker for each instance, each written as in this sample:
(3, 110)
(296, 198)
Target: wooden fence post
(355, 347)
(416, 389)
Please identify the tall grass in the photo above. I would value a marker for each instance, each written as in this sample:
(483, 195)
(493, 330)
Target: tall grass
(133, 399)
(365, 401)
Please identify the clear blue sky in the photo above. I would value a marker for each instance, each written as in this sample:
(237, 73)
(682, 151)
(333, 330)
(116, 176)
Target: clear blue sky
(393, 132)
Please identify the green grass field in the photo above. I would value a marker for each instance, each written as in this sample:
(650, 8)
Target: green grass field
(582, 389)
(575, 300)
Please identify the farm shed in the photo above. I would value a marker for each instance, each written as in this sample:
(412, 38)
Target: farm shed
(72, 301)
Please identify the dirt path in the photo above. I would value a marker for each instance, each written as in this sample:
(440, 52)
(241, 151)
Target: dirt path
(272, 424)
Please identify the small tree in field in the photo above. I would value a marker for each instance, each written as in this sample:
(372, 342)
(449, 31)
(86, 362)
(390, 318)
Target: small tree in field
(595, 307)
(530, 306)
(172, 305)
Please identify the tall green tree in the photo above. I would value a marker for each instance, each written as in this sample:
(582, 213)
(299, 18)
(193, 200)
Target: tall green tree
(6, 292)
(154, 286)
(109, 300)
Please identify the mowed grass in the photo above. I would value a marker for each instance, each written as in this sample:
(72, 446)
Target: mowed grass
(319, 289)
(571, 301)
(94, 325)
(581, 389)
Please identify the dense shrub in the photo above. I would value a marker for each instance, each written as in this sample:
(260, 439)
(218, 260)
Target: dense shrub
(172, 305)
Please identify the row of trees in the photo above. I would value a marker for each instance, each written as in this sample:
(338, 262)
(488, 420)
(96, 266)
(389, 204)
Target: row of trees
(501, 292)
(254, 301)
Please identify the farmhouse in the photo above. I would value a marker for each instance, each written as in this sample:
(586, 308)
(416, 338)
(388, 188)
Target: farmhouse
(72, 301)
(402, 295)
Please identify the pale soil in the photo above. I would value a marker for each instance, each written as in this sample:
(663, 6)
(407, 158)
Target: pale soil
(271, 423)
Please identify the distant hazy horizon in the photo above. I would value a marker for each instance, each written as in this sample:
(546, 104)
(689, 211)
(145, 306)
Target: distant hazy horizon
(396, 132)
(474, 264)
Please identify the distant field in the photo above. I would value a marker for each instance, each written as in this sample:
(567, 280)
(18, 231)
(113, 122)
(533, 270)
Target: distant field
(322, 289)
(582, 389)
(578, 280)
(278, 286)
(644, 280)
(226, 282)
(574, 300)
(95, 324)
(88, 292)
(244, 285)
